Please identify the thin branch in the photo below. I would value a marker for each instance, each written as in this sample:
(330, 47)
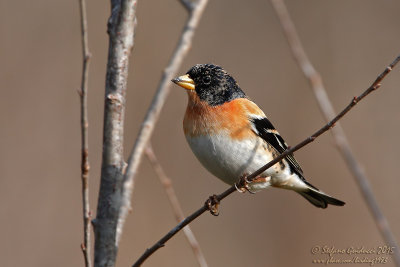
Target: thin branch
(176, 207)
(338, 134)
(158, 101)
(121, 33)
(188, 5)
(85, 167)
(161, 243)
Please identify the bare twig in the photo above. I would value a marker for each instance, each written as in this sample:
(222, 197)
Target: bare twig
(176, 207)
(338, 134)
(121, 32)
(86, 245)
(158, 101)
(187, 4)
(375, 85)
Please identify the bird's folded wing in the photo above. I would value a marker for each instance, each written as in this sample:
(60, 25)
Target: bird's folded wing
(264, 129)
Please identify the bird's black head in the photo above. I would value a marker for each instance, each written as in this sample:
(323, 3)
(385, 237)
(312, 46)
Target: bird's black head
(211, 83)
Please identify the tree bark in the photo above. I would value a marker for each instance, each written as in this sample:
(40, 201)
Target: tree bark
(121, 27)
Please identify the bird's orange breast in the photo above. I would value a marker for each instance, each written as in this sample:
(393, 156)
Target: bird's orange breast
(231, 118)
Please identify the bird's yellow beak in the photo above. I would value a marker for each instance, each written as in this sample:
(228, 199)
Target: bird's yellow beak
(185, 82)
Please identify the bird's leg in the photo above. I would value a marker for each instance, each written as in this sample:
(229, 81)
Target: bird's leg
(243, 185)
(212, 204)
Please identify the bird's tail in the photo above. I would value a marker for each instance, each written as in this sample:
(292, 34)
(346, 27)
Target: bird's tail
(318, 198)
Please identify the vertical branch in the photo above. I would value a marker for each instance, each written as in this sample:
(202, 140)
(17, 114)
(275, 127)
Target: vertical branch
(338, 134)
(176, 207)
(86, 246)
(121, 32)
(184, 44)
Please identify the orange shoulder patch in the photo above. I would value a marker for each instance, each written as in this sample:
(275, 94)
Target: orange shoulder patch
(251, 107)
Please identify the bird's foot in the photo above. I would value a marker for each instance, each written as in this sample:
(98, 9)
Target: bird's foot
(243, 185)
(212, 204)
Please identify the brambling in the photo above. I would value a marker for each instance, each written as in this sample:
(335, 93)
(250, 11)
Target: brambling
(231, 136)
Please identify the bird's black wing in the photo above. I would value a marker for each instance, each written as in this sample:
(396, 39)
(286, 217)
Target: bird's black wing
(264, 128)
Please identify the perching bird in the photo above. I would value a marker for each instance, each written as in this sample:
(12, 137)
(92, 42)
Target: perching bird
(231, 136)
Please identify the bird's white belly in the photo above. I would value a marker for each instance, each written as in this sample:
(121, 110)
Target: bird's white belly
(229, 159)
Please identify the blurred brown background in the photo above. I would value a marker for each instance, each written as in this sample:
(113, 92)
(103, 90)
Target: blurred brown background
(349, 42)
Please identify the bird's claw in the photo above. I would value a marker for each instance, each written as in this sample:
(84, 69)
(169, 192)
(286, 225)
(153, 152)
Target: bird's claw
(212, 204)
(239, 188)
(243, 185)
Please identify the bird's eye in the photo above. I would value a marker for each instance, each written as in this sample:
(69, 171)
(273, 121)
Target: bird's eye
(206, 79)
